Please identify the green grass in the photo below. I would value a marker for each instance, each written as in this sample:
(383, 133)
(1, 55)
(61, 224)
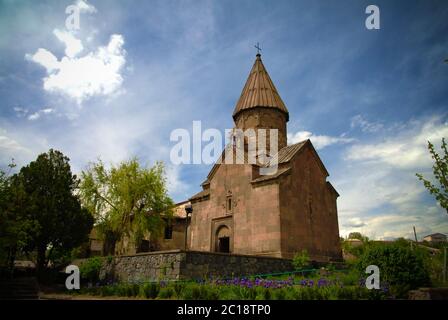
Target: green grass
(339, 285)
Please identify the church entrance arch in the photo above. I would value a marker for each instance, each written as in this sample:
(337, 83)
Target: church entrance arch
(222, 239)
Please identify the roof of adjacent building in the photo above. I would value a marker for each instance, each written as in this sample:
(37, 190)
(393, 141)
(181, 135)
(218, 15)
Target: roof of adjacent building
(259, 91)
(201, 194)
(179, 210)
(435, 234)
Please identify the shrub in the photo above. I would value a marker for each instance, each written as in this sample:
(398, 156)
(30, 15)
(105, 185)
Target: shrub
(213, 293)
(291, 294)
(351, 278)
(149, 290)
(278, 294)
(301, 260)
(166, 293)
(178, 288)
(401, 267)
(90, 269)
(132, 290)
(227, 293)
(244, 293)
(195, 291)
(348, 293)
(192, 291)
(262, 293)
(108, 291)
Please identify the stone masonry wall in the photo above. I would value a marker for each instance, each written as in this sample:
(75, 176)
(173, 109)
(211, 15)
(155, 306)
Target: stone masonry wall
(197, 265)
(179, 265)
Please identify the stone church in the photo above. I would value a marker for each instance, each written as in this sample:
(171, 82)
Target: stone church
(241, 211)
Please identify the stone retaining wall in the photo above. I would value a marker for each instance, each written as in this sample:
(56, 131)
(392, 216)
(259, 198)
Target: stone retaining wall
(178, 265)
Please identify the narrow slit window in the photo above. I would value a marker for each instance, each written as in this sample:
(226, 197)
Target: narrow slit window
(169, 232)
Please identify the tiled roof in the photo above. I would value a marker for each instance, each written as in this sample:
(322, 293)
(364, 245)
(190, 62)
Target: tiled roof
(259, 91)
(201, 194)
(285, 154)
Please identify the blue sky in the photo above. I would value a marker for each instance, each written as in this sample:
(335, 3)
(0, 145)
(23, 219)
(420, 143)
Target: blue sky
(136, 70)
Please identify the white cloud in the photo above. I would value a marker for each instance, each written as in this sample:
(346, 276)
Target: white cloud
(319, 141)
(380, 194)
(354, 223)
(36, 115)
(390, 225)
(174, 182)
(73, 46)
(405, 150)
(6, 143)
(80, 78)
(366, 126)
(47, 110)
(45, 58)
(11, 148)
(20, 112)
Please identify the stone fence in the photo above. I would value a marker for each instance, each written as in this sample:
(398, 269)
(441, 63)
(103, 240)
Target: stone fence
(180, 265)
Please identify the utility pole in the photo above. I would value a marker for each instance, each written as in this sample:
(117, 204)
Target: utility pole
(444, 265)
(415, 235)
(188, 211)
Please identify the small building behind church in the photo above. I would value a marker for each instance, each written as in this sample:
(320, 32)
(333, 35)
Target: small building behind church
(435, 238)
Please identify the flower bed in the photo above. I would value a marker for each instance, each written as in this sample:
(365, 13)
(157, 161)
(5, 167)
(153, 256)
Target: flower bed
(291, 288)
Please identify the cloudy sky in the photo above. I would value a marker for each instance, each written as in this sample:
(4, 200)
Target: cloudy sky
(136, 70)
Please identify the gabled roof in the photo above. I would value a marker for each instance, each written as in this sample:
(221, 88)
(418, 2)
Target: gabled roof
(239, 158)
(259, 91)
(286, 154)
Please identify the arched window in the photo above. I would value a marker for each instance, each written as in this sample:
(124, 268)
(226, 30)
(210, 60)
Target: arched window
(229, 204)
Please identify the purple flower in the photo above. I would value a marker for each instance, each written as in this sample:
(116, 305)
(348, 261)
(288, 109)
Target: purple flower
(322, 283)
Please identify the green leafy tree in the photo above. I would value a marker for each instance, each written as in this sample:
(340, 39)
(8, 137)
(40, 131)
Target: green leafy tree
(55, 219)
(127, 200)
(90, 269)
(358, 236)
(4, 221)
(440, 171)
(402, 267)
(15, 223)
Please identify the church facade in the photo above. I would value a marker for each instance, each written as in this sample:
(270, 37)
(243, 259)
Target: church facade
(241, 211)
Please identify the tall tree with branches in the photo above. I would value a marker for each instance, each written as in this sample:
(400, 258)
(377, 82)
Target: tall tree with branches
(44, 210)
(440, 171)
(127, 200)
